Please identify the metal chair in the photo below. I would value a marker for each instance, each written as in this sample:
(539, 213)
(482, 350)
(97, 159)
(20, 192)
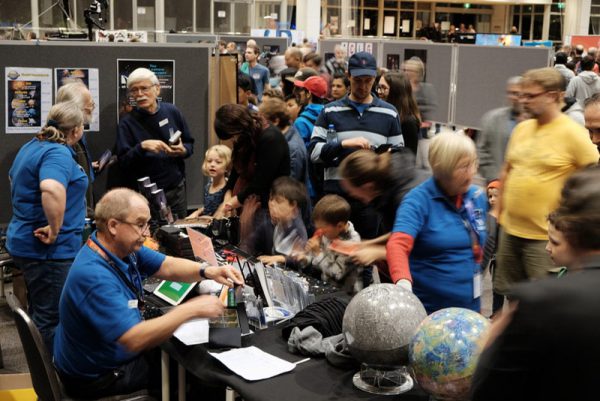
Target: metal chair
(46, 382)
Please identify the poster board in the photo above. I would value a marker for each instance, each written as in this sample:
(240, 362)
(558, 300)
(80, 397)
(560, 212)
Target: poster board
(481, 77)
(193, 80)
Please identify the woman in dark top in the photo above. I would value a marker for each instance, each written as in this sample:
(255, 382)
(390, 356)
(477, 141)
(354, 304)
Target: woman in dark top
(394, 87)
(260, 155)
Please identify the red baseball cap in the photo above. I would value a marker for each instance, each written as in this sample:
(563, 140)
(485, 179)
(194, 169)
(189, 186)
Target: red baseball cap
(315, 85)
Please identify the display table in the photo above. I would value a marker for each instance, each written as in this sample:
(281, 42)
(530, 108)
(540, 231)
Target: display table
(314, 380)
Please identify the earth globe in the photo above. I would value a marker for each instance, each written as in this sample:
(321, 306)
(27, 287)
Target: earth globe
(444, 352)
(378, 325)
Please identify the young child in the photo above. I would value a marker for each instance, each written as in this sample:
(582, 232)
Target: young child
(331, 218)
(282, 233)
(217, 162)
(491, 243)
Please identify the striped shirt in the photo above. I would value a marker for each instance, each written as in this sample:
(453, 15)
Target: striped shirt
(379, 123)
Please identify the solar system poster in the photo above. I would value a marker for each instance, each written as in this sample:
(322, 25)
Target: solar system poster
(28, 99)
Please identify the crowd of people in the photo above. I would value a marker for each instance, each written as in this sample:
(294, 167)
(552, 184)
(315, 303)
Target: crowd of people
(331, 172)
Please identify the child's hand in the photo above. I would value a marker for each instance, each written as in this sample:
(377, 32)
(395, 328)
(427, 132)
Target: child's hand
(312, 245)
(271, 259)
(194, 215)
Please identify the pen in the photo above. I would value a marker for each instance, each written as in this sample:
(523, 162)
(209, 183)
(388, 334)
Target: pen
(302, 361)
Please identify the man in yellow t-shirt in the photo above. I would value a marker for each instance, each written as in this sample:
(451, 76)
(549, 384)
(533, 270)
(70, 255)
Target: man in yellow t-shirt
(542, 153)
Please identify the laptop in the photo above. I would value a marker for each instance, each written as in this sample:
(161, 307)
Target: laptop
(175, 292)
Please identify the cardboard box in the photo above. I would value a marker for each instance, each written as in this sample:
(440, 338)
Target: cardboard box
(15, 381)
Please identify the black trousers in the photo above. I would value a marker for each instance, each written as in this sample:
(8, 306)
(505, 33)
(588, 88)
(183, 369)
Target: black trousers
(141, 373)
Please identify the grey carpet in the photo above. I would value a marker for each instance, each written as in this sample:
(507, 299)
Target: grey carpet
(12, 354)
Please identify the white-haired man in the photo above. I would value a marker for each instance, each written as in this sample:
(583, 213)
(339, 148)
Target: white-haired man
(143, 146)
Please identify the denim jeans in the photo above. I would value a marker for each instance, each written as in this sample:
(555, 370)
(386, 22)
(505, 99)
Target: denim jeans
(44, 280)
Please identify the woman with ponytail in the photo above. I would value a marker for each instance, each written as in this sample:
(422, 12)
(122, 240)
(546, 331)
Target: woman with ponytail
(260, 155)
(379, 180)
(48, 199)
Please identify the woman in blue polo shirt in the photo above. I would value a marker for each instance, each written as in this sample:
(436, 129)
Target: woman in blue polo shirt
(437, 238)
(48, 200)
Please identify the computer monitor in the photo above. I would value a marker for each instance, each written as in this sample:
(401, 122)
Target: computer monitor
(497, 39)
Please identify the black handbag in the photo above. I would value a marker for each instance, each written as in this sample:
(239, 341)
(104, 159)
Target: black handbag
(226, 229)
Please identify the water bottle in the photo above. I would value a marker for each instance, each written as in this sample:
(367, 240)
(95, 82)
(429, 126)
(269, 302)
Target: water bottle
(332, 137)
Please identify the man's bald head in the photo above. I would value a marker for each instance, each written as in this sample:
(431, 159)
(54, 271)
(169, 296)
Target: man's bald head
(116, 204)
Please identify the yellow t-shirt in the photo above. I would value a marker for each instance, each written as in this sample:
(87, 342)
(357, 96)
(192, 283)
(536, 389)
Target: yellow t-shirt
(541, 159)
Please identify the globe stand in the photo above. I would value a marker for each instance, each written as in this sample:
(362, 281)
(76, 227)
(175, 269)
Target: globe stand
(383, 381)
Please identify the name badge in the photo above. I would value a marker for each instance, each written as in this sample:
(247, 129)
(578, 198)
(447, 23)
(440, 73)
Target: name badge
(476, 285)
(132, 304)
(164, 122)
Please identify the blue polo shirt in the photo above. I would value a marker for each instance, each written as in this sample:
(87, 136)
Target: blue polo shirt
(37, 161)
(95, 311)
(442, 263)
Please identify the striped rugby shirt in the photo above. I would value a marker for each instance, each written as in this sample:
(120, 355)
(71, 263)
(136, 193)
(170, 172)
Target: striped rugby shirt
(379, 124)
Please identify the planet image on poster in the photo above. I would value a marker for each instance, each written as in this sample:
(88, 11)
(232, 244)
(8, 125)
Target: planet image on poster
(12, 74)
(445, 350)
(20, 117)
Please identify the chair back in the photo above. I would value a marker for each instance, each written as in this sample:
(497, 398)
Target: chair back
(43, 375)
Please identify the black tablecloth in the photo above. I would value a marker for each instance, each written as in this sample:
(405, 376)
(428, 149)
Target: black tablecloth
(314, 380)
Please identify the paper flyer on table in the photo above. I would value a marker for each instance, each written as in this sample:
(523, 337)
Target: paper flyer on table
(193, 332)
(252, 363)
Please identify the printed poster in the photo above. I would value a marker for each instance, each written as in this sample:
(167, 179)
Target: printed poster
(164, 70)
(28, 99)
(90, 77)
(351, 48)
(360, 47)
(369, 47)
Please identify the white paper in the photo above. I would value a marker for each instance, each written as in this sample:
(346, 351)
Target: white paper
(193, 332)
(389, 22)
(367, 24)
(252, 364)
(221, 14)
(405, 25)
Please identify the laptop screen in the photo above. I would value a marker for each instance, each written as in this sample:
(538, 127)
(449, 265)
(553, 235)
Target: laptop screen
(202, 246)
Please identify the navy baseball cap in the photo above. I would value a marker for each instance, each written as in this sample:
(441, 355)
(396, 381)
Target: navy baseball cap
(361, 64)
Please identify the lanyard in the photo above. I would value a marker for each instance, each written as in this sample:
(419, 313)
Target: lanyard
(139, 293)
(471, 226)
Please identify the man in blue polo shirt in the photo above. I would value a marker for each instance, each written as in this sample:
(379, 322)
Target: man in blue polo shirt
(101, 337)
(362, 121)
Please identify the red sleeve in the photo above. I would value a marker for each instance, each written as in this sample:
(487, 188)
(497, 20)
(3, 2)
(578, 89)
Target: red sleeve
(398, 248)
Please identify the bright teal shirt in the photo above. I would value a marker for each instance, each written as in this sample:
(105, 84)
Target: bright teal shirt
(35, 162)
(95, 311)
(442, 262)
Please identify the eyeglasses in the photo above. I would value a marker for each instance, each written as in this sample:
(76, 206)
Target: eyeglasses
(465, 168)
(530, 96)
(142, 89)
(90, 106)
(142, 227)
(594, 131)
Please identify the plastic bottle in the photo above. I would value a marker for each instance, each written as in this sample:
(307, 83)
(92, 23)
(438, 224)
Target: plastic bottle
(332, 137)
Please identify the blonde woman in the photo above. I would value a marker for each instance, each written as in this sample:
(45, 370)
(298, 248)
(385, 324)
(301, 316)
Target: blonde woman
(437, 239)
(48, 199)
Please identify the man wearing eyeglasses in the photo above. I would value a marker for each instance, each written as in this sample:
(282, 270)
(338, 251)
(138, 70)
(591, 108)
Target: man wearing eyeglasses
(143, 136)
(592, 119)
(542, 153)
(102, 340)
(75, 90)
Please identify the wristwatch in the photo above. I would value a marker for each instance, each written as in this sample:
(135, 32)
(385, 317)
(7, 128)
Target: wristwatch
(203, 266)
